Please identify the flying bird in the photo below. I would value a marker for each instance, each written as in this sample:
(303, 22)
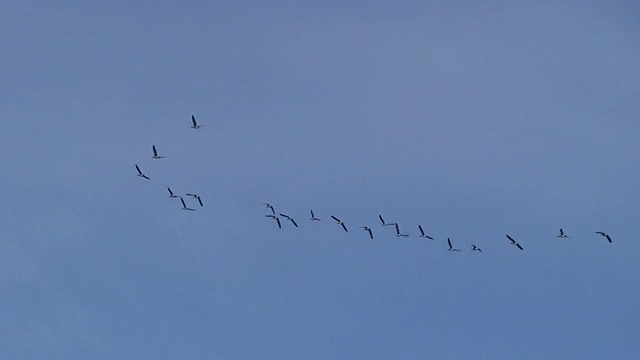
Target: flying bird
(514, 242)
(475, 248)
(562, 234)
(197, 197)
(171, 194)
(398, 234)
(422, 234)
(451, 248)
(605, 235)
(194, 123)
(383, 222)
(290, 219)
(277, 219)
(313, 216)
(141, 174)
(155, 153)
(273, 210)
(367, 229)
(340, 223)
(184, 205)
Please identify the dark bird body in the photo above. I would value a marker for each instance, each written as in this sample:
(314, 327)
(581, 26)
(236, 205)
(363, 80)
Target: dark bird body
(515, 243)
(141, 174)
(605, 235)
(340, 222)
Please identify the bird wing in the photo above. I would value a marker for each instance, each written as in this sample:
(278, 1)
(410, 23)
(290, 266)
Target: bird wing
(608, 238)
(193, 120)
(183, 204)
(397, 229)
(293, 222)
(510, 238)
(421, 231)
(449, 242)
(600, 233)
(344, 227)
(519, 246)
(335, 218)
(138, 168)
(170, 192)
(370, 233)
(279, 224)
(155, 152)
(200, 200)
(381, 219)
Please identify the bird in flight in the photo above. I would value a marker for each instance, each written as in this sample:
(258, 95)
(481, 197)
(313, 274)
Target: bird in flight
(141, 174)
(562, 234)
(475, 248)
(197, 197)
(277, 219)
(290, 219)
(398, 234)
(383, 223)
(273, 210)
(313, 216)
(514, 242)
(367, 229)
(340, 222)
(155, 153)
(171, 194)
(194, 123)
(184, 205)
(603, 234)
(422, 234)
(451, 248)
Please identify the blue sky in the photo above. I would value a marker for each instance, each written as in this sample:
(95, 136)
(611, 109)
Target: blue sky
(474, 120)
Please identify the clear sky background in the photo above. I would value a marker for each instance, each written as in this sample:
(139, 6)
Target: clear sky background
(474, 119)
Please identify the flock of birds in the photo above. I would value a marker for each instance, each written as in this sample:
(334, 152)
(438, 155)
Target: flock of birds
(276, 216)
(156, 156)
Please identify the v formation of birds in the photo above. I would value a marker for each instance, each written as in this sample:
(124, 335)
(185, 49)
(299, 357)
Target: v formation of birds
(281, 218)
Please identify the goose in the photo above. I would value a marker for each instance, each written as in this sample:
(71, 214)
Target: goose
(171, 194)
(562, 234)
(475, 248)
(605, 235)
(383, 223)
(277, 219)
(367, 229)
(197, 197)
(340, 222)
(451, 248)
(155, 153)
(514, 242)
(290, 219)
(313, 216)
(141, 174)
(184, 205)
(194, 122)
(422, 234)
(398, 234)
